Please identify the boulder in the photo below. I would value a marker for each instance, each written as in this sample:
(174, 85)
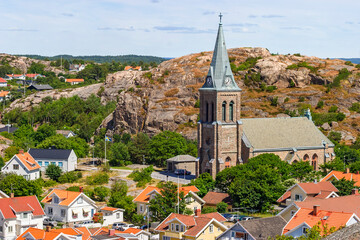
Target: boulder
(326, 127)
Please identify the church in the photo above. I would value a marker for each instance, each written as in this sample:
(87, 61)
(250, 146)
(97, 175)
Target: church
(226, 140)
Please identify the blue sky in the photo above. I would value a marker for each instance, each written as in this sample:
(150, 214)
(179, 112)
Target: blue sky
(173, 28)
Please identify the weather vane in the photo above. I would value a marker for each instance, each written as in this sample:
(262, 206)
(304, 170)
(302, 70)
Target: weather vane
(220, 16)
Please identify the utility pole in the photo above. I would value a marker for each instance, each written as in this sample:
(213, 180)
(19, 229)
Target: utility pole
(178, 209)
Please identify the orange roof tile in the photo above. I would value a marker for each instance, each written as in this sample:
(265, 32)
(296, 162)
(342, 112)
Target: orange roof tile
(324, 194)
(4, 93)
(3, 80)
(332, 219)
(74, 80)
(28, 161)
(132, 230)
(285, 196)
(110, 209)
(128, 68)
(53, 233)
(216, 197)
(339, 175)
(66, 197)
(145, 198)
(316, 188)
(20, 204)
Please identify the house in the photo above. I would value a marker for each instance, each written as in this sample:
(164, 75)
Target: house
(18, 214)
(213, 198)
(74, 81)
(15, 76)
(4, 95)
(182, 162)
(112, 234)
(3, 82)
(112, 215)
(76, 67)
(201, 226)
(69, 207)
(23, 164)
(337, 175)
(300, 191)
(226, 139)
(130, 68)
(351, 233)
(140, 234)
(193, 201)
(66, 159)
(26, 82)
(255, 229)
(8, 128)
(34, 75)
(81, 233)
(306, 218)
(40, 87)
(66, 133)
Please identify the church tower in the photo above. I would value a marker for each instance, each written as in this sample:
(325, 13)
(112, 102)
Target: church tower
(219, 128)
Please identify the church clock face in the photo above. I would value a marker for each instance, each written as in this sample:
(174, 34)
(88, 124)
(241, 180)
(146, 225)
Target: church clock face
(227, 81)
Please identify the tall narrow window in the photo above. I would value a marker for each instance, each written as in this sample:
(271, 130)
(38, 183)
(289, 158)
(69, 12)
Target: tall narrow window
(231, 111)
(224, 111)
(212, 112)
(207, 112)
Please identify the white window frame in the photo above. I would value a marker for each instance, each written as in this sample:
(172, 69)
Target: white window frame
(211, 228)
(117, 215)
(17, 165)
(172, 227)
(50, 211)
(25, 215)
(63, 213)
(304, 230)
(298, 197)
(10, 229)
(177, 228)
(141, 208)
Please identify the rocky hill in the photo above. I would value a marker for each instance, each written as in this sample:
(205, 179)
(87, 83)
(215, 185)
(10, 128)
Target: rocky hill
(165, 98)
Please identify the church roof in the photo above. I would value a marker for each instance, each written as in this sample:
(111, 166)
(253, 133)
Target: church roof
(220, 76)
(282, 133)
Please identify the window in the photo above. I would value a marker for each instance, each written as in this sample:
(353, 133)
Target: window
(211, 228)
(304, 230)
(172, 227)
(292, 213)
(74, 215)
(166, 238)
(56, 200)
(10, 229)
(50, 211)
(182, 228)
(224, 111)
(177, 227)
(16, 166)
(141, 208)
(63, 213)
(298, 197)
(60, 164)
(25, 215)
(207, 112)
(118, 215)
(212, 112)
(232, 234)
(1, 229)
(53, 163)
(227, 162)
(80, 200)
(40, 163)
(188, 199)
(241, 235)
(46, 164)
(306, 157)
(231, 111)
(195, 208)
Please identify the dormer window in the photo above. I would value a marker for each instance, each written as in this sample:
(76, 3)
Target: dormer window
(56, 200)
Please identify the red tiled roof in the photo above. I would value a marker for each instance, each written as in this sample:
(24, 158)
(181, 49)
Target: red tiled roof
(339, 175)
(323, 194)
(110, 209)
(74, 80)
(28, 161)
(145, 198)
(285, 196)
(332, 219)
(132, 230)
(4, 93)
(14, 75)
(9, 206)
(53, 233)
(128, 68)
(31, 75)
(3, 80)
(214, 198)
(316, 188)
(66, 197)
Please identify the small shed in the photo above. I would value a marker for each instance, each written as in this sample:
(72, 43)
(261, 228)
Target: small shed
(182, 162)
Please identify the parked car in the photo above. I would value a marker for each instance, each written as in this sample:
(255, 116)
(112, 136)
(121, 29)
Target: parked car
(238, 218)
(182, 172)
(118, 225)
(89, 224)
(143, 227)
(228, 216)
(246, 218)
(49, 222)
(126, 226)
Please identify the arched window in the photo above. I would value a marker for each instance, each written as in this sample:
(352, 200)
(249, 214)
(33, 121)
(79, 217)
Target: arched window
(212, 112)
(224, 111)
(227, 162)
(306, 157)
(295, 161)
(231, 111)
(314, 161)
(207, 112)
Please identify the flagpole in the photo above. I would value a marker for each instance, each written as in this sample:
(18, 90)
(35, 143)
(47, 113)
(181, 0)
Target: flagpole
(105, 150)
(178, 195)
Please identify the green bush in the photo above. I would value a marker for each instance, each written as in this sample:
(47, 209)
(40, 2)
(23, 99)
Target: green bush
(301, 99)
(334, 136)
(53, 172)
(249, 63)
(148, 75)
(333, 109)
(73, 189)
(143, 176)
(274, 101)
(357, 66)
(349, 63)
(70, 177)
(50, 183)
(98, 178)
(343, 74)
(321, 118)
(286, 99)
(355, 107)
(197, 104)
(320, 104)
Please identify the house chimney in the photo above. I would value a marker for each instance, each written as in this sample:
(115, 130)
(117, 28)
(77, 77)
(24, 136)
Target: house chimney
(316, 210)
(81, 189)
(21, 151)
(357, 172)
(347, 170)
(12, 195)
(111, 232)
(197, 212)
(355, 191)
(48, 228)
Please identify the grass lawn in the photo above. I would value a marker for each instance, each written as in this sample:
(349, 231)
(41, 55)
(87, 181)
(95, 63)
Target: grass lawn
(122, 168)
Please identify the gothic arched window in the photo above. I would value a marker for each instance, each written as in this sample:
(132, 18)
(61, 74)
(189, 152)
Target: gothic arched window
(227, 162)
(306, 157)
(224, 111)
(207, 112)
(314, 161)
(231, 111)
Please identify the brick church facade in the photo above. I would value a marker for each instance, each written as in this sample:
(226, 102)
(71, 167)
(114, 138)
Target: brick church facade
(225, 140)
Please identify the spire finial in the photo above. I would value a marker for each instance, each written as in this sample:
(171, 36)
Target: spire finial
(220, 16)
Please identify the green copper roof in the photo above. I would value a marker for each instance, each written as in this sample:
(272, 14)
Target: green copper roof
(220, 76)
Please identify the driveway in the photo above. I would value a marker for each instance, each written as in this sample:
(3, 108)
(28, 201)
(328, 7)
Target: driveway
(170, 176)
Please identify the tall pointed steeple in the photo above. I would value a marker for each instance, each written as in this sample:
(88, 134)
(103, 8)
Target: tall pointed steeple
(220, 76)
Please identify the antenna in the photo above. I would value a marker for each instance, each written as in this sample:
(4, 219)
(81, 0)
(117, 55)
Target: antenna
(220, 16)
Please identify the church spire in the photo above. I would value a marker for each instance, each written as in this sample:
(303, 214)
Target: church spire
(220, 76)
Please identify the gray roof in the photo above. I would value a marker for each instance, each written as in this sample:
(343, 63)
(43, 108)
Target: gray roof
(50, 153)
(220, 76)
(349, 233)
(264, 228)
(282, 133)
(41, 86)
(182, 158)
(65, 132)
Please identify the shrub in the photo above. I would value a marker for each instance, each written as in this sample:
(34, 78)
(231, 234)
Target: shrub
(292, 83)
(143, 176)
(355, 107)
(208, 210)
(349, 63)
(73, 189)
(357, 66)
(100, 193)
(297, 54)
(274, 101)
(166, 73)
(333, 109)
(343, 74)
(221, 207)
(334, 136)
(321, 118)
(286, 99)
(50, 183)
(197, 104)
(70, 177)
(249, 63)
(98, 178)
(320, 104)
(148, 75)
(172, 92)
(301, 99)
(101, 90)
(53, 172)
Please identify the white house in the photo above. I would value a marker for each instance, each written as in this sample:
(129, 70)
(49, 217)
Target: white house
(69, 207)
(18, 214)
(66, 133)
(4, 95)
(140, 234)
(112, 215)
(23, 164)
(3, 82)
(66, 159)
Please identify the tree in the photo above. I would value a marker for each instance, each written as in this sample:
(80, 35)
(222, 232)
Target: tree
(119, 199)
(2, 163)
(19, 185)
(166, 145)
(301, 170)
(10, 152)
(143, 176)
(53, 172)
(344, 186)
(100, 193)
(166, 202)
(43, 132)
(139, 148)
(221, 207)
(204, 183)
(119, 154)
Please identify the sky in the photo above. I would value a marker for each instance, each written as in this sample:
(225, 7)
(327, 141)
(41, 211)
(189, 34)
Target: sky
(174, 28)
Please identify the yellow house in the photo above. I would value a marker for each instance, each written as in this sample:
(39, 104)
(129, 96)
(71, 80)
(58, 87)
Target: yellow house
(193, 201)
(198, 227)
